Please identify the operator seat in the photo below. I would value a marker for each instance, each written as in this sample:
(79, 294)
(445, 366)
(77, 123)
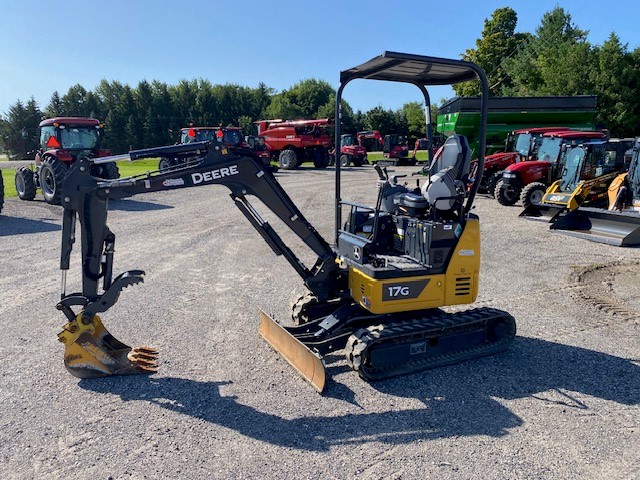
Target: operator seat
(449, 173)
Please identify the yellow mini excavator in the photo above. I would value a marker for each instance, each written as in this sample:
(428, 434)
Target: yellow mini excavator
(375, 293)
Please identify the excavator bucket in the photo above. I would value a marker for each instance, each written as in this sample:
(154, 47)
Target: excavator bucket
(543, 213)
(92, 352)
(306, 362)
(621, 229)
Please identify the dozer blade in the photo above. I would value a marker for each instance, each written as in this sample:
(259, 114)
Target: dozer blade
(307, 363)
(543, 213)
(621, 229)
(92, 352)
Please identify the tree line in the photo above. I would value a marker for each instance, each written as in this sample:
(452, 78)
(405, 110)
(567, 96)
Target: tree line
(556, 59)
(151, 113)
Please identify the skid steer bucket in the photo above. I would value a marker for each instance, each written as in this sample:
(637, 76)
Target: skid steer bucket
(306, 362)
(621, 229)
(92, 352)
(543, 212)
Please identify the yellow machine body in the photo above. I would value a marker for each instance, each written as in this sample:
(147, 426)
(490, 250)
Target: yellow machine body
(457, 286)
(596, 188)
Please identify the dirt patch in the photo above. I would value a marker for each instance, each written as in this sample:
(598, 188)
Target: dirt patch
(610, 289)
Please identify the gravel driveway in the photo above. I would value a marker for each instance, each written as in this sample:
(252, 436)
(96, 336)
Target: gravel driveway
(562, 403)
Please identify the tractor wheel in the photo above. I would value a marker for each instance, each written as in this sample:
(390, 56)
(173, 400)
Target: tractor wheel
(532, 194)
(505, 195)
(320, 159)
(358, 161)
(108, 171)
(1, 192)
(52, 174)
(492, 182)
(288, 159)
(345, 160)
(165, 164)
(25, 184)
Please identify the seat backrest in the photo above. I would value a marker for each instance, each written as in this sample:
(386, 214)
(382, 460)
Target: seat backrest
(454, 153)
(449, 173)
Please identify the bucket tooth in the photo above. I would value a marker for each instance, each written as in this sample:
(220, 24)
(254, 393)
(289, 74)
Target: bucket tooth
(306, 362)
(92, 352)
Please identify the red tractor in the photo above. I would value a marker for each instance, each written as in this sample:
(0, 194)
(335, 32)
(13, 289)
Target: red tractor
(62, 141)
(351, 151)
(293, 142)
(528, 181)
(256, 145)
(520, 145)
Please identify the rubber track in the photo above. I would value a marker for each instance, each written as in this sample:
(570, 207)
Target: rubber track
(362, 342)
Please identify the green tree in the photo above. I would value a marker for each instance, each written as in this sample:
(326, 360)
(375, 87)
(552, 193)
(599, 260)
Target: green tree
(55, 107)
(498, 42)
(554, 61)
(617, 80)
(19, 134)
(73, 102)
(380, 119)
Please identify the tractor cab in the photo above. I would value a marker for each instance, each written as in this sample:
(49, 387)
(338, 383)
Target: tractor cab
(590, 160)
(65, 138)
(348, 140)
(395, 146)
(231, 136)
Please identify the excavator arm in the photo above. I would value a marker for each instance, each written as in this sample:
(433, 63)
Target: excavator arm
(85, 199)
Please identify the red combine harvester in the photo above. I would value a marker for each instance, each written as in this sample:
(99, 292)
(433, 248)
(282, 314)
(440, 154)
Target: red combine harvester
(293, 142)
(62, 141)
(528, 181)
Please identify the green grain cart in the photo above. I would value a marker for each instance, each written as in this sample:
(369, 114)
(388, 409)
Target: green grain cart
(461, 115)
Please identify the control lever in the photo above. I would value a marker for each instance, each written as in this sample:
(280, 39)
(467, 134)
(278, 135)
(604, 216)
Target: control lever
(394, 179)
(382, 173)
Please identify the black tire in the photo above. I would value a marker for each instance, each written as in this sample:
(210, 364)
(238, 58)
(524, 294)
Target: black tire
(320, 159)
(25, 184)
(358, 161)
(532, 194)
(288, 159)
(1, 192)
(165, 164)
(111, 171)
(345, 160)
(492, 182)
(52, 174)
(506, 195)
(108, 171)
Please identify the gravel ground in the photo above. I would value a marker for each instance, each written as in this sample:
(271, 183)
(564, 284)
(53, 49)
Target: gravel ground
(563, 402)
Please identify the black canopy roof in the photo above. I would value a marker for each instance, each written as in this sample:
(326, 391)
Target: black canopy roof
(408, 68)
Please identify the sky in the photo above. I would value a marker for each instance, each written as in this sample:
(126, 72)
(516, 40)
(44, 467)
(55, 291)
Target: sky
(49, 46)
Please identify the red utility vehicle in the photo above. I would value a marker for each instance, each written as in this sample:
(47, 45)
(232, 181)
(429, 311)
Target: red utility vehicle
(528, 181)
(394, 146)
(520, 145)
(352, 152)
(293, 142)
(62, 141)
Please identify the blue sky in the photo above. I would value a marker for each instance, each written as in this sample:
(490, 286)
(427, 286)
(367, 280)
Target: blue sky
(47, 46)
